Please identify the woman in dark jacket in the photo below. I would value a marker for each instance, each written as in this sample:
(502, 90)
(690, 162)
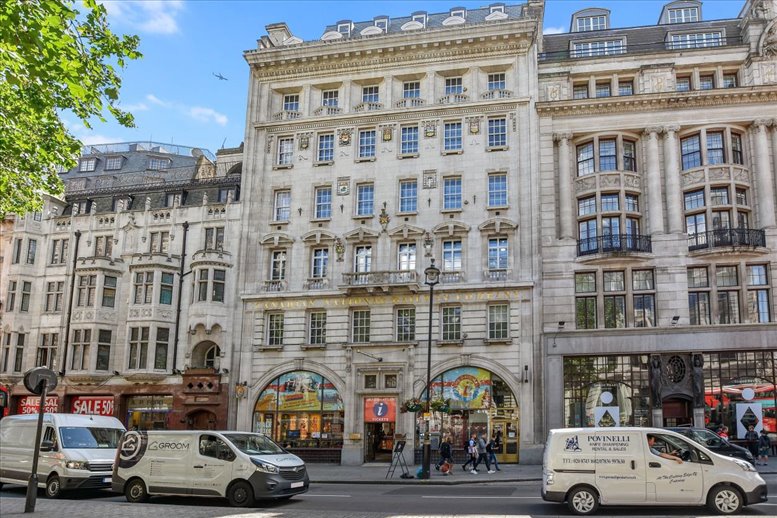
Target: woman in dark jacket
(446, 453)
(751, 438)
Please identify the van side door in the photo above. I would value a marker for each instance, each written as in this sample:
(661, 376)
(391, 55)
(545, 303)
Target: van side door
(620, 466)
(48, 456)
(212, 466)
(669, 481)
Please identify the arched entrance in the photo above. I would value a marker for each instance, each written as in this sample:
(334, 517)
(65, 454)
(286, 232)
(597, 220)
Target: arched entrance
(677, 411)
(201, 420)
(477, 401)
(206, 355)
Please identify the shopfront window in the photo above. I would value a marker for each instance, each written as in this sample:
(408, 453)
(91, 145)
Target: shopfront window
(149, 412)
(301, 409)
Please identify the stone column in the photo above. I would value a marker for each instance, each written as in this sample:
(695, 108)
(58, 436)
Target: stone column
(564, 177)
(674, 198)
(653, 173)
(764, 181)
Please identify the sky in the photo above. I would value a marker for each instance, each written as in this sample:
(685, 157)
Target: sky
(176, 98)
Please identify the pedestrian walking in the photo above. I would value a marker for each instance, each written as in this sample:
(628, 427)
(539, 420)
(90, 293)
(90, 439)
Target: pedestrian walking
(482, 455)
(723, 432)
(446, 455)
(751, 439)
(472, 452)
(764, 445)
(491, 448)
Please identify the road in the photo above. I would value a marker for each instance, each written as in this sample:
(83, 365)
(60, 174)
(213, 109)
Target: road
(504, 500)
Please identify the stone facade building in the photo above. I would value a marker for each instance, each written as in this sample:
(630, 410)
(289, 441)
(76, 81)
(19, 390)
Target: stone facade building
(658, 154)
(124, 287)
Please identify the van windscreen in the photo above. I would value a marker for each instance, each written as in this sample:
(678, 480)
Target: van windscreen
(83, 437)
(253, 444)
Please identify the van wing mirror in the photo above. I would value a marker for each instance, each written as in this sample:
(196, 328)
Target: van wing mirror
(46, 445)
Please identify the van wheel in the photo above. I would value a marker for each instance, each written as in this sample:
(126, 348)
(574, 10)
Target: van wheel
(240, 494)
(725, 500)
(583, 501)
(135, 491)
(53, 487)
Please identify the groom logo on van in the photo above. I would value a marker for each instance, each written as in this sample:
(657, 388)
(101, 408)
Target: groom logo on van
(132, 448)
(572, 444)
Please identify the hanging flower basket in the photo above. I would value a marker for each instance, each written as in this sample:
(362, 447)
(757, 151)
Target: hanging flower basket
(441, 405)
(411, 405)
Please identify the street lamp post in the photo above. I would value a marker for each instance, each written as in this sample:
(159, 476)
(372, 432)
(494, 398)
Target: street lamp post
(431, 278)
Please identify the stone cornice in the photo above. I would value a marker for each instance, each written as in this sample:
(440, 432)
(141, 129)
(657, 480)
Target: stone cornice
(661, 101)
(385, 116)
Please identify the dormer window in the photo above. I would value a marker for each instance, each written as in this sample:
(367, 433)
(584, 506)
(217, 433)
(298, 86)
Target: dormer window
(382, 24)
(696, 40)
(157, 164)
(496, 8)
(420, 18)
(460, 13)
(591, 23)
(87, 165)
(684, 15)
(113, 163)
(344, 28)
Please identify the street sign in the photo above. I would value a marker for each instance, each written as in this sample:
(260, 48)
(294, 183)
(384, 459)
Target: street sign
(34, 377)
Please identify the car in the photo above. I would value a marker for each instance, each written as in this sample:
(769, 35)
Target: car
(715, 443)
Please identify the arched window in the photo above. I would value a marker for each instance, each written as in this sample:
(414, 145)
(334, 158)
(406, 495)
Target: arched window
(211, 356)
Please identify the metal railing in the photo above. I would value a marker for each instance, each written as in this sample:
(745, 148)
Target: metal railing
(274, 286)
(393, 277)
(631, 48)
(746, 237)
(617, 243)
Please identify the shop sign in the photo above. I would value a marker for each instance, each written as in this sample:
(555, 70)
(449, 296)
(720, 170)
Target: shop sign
(92, 405)
(31, 404)
(380, 409)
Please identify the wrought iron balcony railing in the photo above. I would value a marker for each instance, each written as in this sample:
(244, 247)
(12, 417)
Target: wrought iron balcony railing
(727, 237)
(386, 278)
(617, 243)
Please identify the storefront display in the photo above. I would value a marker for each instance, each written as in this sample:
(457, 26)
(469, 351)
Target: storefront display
(149, 412)
(31, 404)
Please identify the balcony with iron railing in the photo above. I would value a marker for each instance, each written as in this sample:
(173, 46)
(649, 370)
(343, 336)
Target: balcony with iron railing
(727, 238)
(614, 244)
(383, 280)
(640, 48)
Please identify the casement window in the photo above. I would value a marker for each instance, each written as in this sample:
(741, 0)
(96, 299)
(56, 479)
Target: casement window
(158, 164)
(19, 352)
(684, 15)
(109, 291)
(451, 323)
(160, 242)
(452, 256)
(344, 28)
(211, 282)
(696, 40)
(580, 91)
(364, 199)
(330, 98)
(406, 256)
(370, 381)
(219, 278)
(729, 81)
(11, 297)
(59, 251)
(326, 147)
(498, 320)
(758, 305)
(644, 298)
(225, 193)
(282, 209)
(625, 88)
(371, 94)
(87, 285)
(32, 248)
(103, 246)
(699, 296)
(606, 154)
(79, 350)
(411, 89)
(362, 259)
(736, 149)
(591, 23)
(367, 143)
(496, 81)
(408, 196)
(453, 85)
(497, 190)
(17, 251)
(587, 49)
(214, 238)
(585, 300)
(319, 263)
(54, 295)
(166, 289)
(113, 163)
(143, 287)
(603, 90)
(405, 324)
(291, 102)
(104, 339)
(360, 326)
(138, 348)
(87, 165)
(452, 140)
(706, 82)
(683, 84)
(498, 253)
(47, 351)
(614, 299)
(585, 159)
(275, 329)
(409, 140)
(727, 283)
(323, 201)
(452, 197)
(278, 265)
(719, 147)
(497, 132)
(317, 327)
(285, 151)
(170, 199)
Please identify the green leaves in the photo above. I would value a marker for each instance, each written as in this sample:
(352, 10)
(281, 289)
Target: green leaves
(52, 58)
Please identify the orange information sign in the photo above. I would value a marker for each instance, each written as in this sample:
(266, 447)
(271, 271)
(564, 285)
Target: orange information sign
(380, 409)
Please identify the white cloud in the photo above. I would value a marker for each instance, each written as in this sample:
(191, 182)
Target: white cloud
(207, 115)
(150, 16)
(554, 30)
(156, 100)
(95, 139)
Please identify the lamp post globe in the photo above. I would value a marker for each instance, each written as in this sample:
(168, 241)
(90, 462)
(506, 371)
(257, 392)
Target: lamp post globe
(431, 279)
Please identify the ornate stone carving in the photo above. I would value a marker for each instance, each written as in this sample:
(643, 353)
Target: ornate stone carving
(430, 179)
(632, 181)
(344, 136)
(719, 173)
(693, 177)
(430, 128)
(304, 141)
(553, 92)
(609, 180)
(559, 137)
(585, 184)
(768, 42)
(473, 124)
(344, 186)
(741, 175)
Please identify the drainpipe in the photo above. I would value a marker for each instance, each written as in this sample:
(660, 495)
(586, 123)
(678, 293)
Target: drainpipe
(181, 275)
(66, 340)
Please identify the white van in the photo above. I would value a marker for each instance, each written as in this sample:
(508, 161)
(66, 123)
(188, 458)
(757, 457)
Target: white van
(241, 466)
(615, 466)
(76, 451)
